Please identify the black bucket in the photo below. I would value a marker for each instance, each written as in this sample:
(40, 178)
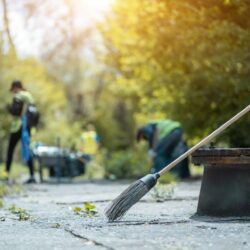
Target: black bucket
(225, 188)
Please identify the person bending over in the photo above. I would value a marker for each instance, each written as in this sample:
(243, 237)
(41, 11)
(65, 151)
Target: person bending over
(165, 142)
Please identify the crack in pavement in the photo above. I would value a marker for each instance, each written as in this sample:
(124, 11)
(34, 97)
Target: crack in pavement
(141, 201)
(71, 231)
(137, 223)
(153, 222)
(80, 202)
(60, 226)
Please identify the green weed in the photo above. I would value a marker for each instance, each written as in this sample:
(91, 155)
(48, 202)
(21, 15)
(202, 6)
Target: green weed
(88, 210)
(162, 192)
(20, 212)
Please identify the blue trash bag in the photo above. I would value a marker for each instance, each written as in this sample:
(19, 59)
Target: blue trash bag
(25, 138)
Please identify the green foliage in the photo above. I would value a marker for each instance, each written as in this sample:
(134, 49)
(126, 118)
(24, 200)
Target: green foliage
(94, 168)
(50, 99)
(77, 210)
(131, 163)
(20, 212)
(184, 59)
(88, 210)
(196, 170)
(187, 60)
(168, 178)
(162, 192)
(114, 120)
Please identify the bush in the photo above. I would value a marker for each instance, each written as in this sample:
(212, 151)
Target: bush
(130, 163)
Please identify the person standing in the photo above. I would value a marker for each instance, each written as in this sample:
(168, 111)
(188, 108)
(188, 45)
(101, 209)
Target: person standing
(165, 145)
(20, 128)
(89, 141)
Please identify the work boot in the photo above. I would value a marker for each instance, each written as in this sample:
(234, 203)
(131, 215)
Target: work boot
(30, 180)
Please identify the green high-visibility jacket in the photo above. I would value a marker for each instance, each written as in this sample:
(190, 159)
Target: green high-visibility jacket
(166, 126)
(27, 99)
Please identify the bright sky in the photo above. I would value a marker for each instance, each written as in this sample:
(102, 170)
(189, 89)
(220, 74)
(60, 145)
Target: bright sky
(89, 11)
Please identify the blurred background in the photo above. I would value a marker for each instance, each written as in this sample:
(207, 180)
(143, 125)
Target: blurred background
(117, 64)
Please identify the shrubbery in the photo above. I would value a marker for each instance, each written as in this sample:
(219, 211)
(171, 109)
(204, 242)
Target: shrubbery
(130, 163)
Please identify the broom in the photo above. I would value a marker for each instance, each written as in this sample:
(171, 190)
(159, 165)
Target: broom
(138, 189)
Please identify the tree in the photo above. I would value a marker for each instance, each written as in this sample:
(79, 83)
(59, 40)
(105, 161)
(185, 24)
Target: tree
(187, 60)
(6, 30)
(62, 46)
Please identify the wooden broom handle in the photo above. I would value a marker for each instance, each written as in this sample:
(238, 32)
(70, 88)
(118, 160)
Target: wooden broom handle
(205, 140)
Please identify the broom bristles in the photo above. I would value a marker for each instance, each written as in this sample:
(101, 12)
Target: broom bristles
(126, 200)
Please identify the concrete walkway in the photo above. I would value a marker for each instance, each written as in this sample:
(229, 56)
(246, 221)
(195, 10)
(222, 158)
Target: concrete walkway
(148, 225)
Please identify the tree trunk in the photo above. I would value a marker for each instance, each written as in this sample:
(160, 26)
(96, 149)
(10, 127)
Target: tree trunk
(7, 27)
